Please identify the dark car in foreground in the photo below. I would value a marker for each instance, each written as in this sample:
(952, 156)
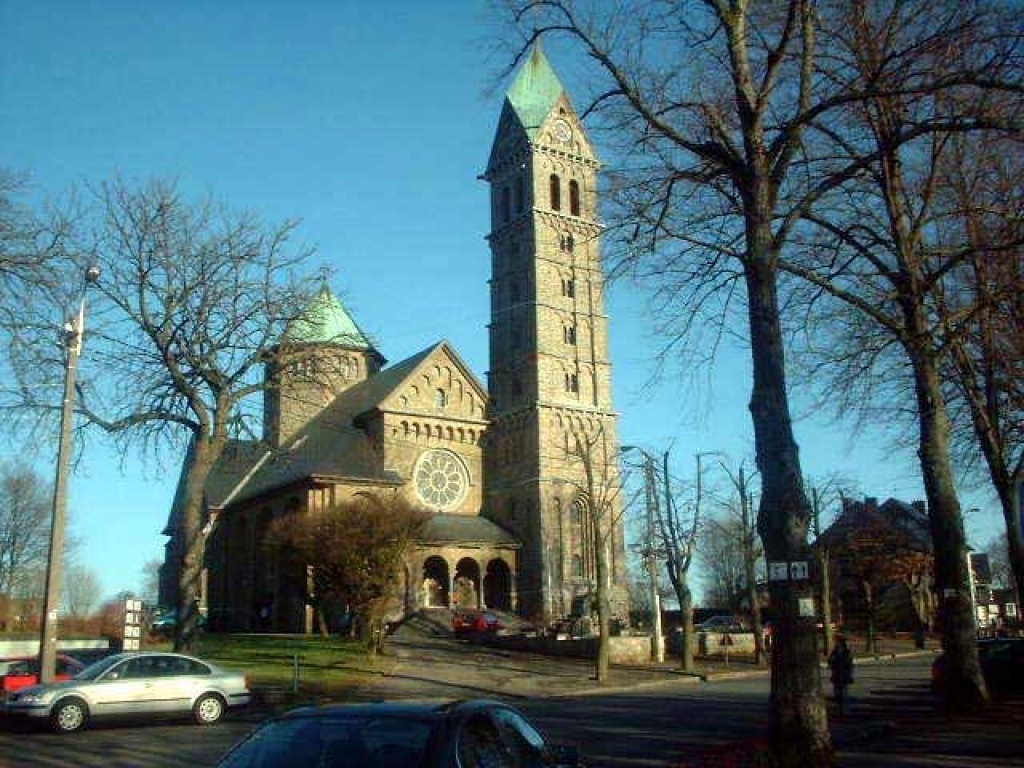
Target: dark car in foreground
(130, 684)
(1002, 665)
(461, 734)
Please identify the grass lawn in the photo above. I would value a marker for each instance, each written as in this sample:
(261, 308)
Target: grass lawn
(327, 667)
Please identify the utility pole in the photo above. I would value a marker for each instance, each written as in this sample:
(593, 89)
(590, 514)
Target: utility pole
(73, 331)
(652, 561)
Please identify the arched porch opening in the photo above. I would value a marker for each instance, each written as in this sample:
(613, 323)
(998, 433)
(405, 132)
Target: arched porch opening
(467, 584)
(435, 582)
(498, 585)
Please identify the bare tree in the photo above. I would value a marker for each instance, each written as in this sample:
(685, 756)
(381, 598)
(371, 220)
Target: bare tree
(984, 303)
(601, 493)
(26, 246)
(750, 551)
(678, 528)
(722, 562)
(150, 591)
(24, 528)
(190, 308)
(719, 106)
(81, 591)
(876, 252)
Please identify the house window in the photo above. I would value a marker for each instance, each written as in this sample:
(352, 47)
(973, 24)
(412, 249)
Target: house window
(556, 192)
(569, 288)
(566, 243)
(440, 399)
(577, 566)
(572, 382)
(569, 332)
(519, 194)
(574, 197)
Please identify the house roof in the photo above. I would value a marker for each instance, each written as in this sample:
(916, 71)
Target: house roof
(908, 520)
(326, 321)
(534, 91)
(331, 447)
(447, 530)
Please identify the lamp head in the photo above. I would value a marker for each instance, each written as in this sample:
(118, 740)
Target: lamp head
(92, 274)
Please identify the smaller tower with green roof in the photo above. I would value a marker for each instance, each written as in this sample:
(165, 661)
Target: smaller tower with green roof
(322, 353)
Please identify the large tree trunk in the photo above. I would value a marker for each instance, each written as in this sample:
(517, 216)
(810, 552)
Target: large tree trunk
(798, 721)
(604, 605)
(191, 542)
(966, 687)
(686, 641)
(826, 600)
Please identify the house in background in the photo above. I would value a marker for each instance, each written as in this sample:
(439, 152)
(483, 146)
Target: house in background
(882, 563)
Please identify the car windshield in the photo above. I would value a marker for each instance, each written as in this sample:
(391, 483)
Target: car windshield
(346, 742)
(93, 671)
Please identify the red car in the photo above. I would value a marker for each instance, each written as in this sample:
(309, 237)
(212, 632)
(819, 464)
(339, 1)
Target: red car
(475, 622)
(23, 672)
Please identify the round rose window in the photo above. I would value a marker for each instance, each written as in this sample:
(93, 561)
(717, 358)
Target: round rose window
(440, 479)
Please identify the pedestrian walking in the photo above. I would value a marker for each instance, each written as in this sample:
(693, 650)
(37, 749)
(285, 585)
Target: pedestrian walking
(840, 663)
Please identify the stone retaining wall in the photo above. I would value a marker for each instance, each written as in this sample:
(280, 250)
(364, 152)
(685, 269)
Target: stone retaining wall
(624, 650)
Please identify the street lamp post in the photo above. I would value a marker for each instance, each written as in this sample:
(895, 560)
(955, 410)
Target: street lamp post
(55, 556)
(650, 489)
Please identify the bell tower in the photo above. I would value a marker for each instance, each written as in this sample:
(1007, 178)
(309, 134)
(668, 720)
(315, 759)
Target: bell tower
(550, 377)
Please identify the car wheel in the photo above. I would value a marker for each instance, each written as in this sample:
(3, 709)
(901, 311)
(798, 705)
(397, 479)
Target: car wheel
(69, 715)
(209, 708)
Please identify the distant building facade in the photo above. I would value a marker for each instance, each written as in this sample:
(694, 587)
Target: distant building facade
(495, 467)
(905, 527)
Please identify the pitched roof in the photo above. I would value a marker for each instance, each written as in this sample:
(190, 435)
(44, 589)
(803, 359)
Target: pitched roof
(446, 529)
(330, 446)
(904, 519)
(534, 91)
(326, 321)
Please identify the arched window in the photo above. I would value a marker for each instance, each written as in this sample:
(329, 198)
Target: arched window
(570, 334)
(506, 205)
(574, 197)
(519, 194)
(440, 399)
(577, 512)
(577, 566)
(556, 192)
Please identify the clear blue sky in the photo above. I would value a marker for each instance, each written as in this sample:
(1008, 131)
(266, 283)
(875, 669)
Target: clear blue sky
(370, 122)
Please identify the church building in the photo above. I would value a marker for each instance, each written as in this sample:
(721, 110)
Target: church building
(509, 474)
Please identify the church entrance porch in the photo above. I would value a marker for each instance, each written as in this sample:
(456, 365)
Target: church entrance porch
(435, 582)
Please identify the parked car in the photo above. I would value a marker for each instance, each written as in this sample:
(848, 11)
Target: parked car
(165, 623)
(133, 684)
(1002, 665)
(468, 623)
(722, 624)
(16, 674)
(464, 733)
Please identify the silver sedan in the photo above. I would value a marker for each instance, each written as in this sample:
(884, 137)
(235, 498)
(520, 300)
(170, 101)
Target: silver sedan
(134, 684)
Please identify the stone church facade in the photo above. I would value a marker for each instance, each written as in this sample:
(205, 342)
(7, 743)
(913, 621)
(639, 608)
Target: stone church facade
(515, 476)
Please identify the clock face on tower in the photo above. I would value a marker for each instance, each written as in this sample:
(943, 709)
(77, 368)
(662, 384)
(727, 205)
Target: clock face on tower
(562, 131)
(440, 479)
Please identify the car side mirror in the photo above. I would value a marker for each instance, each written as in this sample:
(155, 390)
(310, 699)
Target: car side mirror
(565, 756)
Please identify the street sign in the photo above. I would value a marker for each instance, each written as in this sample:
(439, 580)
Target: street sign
(798, 570)
(805, 606)
(778, 571)
(132, 624)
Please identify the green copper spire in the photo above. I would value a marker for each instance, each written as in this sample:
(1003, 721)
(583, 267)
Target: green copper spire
(326, 321)
(534, 91)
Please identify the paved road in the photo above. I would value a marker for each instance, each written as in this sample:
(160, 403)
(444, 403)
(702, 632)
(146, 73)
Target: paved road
(653, 724)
